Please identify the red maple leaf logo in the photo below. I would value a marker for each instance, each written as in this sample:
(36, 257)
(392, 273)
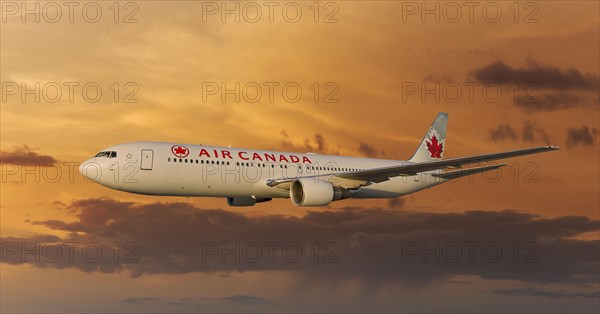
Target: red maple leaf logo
(436, 149)
(180, 151)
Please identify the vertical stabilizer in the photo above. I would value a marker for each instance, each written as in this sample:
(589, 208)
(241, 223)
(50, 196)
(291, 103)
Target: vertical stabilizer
(433, 145)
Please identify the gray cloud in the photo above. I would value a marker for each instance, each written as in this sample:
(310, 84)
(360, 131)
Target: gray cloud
(141, 300)
(539, 292)
(26, 155)
(584, 136)
(396, 202)
(547, 101)
(373, 245)
(530, 132)
(243, 299)
(542, 76)
(369, 150)
(534, 133)
(537, 87)
(317, 145)
(502, 132)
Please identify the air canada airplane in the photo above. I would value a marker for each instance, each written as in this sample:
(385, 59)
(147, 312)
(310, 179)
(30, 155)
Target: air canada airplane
(246, 177)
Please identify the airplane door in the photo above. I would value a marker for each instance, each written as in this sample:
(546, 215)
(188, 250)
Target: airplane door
(147, 155)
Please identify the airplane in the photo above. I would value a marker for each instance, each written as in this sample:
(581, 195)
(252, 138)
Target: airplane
(246, 177)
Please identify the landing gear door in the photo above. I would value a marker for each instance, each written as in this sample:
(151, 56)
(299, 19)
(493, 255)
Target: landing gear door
(147, 155)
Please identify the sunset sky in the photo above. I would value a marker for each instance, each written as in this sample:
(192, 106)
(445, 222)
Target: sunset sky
(357, 78)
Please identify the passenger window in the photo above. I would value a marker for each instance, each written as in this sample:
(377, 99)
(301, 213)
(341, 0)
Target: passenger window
(169, 159)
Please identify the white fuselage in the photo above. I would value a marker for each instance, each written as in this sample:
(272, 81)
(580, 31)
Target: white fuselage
(170, 169)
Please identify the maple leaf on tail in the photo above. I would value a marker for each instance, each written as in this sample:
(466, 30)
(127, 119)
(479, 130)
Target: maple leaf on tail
(435, 149)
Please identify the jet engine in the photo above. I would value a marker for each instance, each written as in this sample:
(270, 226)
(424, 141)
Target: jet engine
(308, 192)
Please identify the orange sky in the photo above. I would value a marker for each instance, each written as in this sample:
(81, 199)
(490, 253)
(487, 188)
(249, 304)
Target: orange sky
(363, 59)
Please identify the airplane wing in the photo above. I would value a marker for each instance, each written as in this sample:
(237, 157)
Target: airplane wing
(355, 179)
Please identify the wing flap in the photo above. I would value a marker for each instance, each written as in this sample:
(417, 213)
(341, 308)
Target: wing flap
(466, 172)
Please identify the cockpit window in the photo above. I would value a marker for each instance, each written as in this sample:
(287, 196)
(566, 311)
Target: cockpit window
(110, 154)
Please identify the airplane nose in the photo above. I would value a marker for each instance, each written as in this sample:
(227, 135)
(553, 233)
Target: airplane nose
(83, 167)
(90, 170)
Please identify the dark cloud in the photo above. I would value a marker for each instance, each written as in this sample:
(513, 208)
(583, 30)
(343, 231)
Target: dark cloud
(502, 132)
(546, 101)
(243, 299)
(372, 245)
(25, 155)
(438, 78)
(397, 202)
(369, 150)
(534, 133)
(537, 87)
(530, 132)
(141, 300)
(553, 294)
(584, 136)
(542, 76)
(320, 140)
(317, 145)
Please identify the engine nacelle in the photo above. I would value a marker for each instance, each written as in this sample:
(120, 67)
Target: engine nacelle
(245, 201)
(308, 192)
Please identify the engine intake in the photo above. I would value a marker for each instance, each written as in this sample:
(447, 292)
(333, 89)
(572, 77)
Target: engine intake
(308, 192)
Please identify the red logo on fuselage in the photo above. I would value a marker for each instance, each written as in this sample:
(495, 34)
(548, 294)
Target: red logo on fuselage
(180, 151)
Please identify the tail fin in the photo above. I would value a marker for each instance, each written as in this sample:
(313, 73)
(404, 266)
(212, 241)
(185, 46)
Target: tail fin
(433, 145)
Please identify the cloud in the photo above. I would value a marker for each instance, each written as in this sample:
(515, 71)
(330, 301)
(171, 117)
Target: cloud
(503, 131)
(25, 155)
(396, 202)
(584, 136)
(542, 76)
(369, 150)
(546, 101)
(317, 145)
(243, 299)
(530, 132)
(375, 245)
(537, 87)
(141, 300)
(539, 292)
(320, 142)
(534, 133)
